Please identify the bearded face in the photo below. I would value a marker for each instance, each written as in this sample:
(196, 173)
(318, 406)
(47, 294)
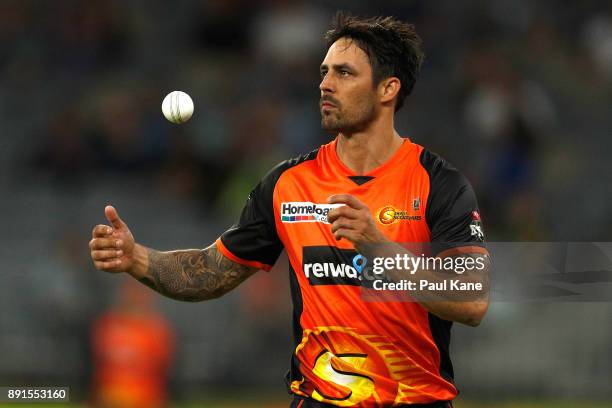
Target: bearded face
(348, 97)
(348, 117)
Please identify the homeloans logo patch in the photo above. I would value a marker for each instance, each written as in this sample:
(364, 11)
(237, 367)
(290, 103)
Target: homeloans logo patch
(305, 211)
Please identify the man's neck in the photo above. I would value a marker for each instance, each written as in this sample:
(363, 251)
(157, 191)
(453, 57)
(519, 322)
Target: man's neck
(364, 151)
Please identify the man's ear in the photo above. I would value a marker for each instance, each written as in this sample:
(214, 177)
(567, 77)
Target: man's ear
(389, 88)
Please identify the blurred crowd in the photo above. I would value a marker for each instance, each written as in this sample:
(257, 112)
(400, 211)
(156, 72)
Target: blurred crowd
(515, 93)
(509, 90)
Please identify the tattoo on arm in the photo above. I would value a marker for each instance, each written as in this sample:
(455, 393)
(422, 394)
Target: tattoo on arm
(194, 275)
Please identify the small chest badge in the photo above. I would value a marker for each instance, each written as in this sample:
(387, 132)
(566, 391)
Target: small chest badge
(389, 214)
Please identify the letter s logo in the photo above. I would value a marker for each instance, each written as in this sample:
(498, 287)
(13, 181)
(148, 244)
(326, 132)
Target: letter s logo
(331, 368)
(346, 369)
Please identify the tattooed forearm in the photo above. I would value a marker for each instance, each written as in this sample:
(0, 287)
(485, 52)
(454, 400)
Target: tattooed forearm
(193, 275)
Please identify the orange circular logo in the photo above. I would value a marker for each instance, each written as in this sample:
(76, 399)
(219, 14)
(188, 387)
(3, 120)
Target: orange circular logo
(386, 215)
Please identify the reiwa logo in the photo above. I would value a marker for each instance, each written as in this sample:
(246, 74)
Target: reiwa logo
(305, 211)
(336, 270)
(323, 265)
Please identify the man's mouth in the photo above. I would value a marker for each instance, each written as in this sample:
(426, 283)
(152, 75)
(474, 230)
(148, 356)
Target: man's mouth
(327, 105)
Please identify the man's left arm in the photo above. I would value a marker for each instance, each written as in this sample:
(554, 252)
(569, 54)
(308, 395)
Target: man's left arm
(354, 222)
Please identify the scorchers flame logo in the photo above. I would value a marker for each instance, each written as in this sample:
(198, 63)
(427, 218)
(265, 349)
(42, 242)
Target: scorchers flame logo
(342, 367)
(390, 215)
(386, 215)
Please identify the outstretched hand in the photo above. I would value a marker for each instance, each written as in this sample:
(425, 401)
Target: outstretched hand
(353, 221)
(112, 247)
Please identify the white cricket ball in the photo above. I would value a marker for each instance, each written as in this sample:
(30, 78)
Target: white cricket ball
(177, 107)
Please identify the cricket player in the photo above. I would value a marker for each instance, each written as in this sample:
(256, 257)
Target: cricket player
(330, 209)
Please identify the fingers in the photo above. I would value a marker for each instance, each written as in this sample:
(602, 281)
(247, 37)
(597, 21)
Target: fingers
(344, 220)
(106, 255)
(348, 234)
(106, 265)
(113, 217)
(342, 212)
(106, 251)
(347, 199)
(342, 223)
(101, 231)
(352, 221)
(105, 243)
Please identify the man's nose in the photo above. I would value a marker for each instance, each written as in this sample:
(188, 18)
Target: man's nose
(326, 85)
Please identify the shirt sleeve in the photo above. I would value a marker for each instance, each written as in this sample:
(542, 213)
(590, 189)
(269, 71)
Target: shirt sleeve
(253, 240)
(452, 211)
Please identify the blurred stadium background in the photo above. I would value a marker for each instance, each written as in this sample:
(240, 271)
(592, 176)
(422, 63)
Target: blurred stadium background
(516, 93)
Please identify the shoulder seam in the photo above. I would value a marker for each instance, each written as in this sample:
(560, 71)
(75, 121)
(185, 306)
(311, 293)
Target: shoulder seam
(294, 161)
(270, 181)
(285, 165)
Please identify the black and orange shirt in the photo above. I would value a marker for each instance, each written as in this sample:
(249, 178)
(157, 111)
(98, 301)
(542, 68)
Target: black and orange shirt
(349, 352)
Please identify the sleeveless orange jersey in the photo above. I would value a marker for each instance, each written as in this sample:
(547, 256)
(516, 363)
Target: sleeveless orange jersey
(349, 352)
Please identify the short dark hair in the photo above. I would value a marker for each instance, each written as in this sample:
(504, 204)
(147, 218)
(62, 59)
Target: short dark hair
(392, 46)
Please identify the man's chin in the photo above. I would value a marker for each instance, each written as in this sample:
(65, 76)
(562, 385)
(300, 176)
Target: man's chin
(331, 124)
(328, 126)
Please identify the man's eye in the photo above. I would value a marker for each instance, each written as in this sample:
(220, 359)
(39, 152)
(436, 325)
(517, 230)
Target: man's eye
(323, 73)
(344, 72)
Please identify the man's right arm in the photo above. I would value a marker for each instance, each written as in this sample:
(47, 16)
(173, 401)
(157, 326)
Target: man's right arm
(189, 275)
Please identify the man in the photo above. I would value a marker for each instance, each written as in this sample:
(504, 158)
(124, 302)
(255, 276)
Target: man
(360, 194)
(132, 347)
